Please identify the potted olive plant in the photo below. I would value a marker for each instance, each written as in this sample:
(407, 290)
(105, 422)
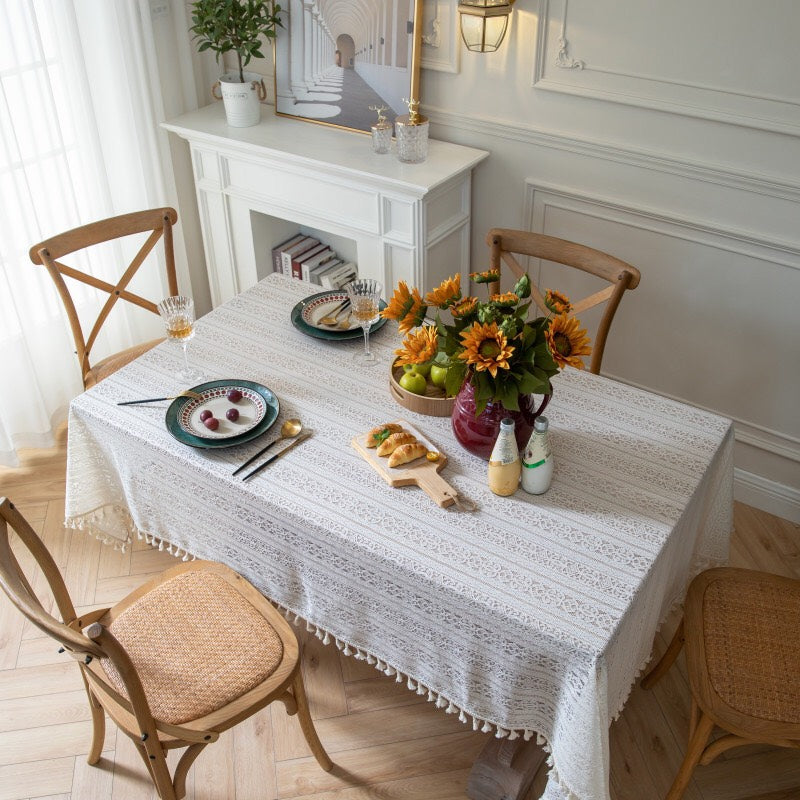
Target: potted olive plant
(237, 26)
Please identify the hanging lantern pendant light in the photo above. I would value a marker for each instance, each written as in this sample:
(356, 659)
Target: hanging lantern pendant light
(484, 23)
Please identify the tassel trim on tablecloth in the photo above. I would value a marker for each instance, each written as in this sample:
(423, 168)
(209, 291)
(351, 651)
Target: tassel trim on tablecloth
(90, 523)
(432, 696)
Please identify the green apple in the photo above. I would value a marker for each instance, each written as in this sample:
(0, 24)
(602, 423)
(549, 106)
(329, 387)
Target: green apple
(438, 375)
(414, 382)
(423, 369)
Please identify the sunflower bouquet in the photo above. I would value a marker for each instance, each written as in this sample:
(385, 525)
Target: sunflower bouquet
(491, 343)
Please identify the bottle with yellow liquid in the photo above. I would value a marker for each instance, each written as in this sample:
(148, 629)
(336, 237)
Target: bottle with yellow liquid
(504, 463)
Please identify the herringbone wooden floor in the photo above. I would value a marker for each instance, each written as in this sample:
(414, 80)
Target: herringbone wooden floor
(386, 743)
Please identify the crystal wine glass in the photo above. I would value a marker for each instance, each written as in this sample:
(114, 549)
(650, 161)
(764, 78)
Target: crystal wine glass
(365, 298)
(178, 315)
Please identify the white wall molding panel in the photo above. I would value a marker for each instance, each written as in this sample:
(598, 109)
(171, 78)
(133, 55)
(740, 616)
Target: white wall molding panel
(441, 40)
(693, 273)
(625, 52)
(722, 175)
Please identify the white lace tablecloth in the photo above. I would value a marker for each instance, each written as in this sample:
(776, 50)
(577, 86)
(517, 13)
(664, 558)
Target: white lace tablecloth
(531, 617)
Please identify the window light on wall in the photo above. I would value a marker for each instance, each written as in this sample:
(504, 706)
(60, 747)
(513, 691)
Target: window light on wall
(484, 23)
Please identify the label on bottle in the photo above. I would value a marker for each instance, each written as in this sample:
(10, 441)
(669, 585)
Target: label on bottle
(505, 451)
(537, 451)
(504, 465)
(537, 463)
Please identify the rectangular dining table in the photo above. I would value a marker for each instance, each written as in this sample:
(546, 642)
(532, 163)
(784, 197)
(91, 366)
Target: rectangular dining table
(529, 618)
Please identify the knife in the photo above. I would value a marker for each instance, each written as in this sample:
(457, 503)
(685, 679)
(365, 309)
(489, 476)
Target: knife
(283, 452)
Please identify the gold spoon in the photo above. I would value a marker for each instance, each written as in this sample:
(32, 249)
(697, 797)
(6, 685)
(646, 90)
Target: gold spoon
(332, 319)
(289, 430)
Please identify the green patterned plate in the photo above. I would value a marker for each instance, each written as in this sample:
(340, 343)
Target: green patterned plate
(258, 410)
(300, 315)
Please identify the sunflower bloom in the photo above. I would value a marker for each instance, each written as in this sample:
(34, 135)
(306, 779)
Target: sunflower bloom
(486, 348)
(407, 307)
(487, 276)
(447, 293)
(463, 308)
(505, 300)
(418, 347)
(400, 302)
(558, 303)
(567, 341)
(415, 314)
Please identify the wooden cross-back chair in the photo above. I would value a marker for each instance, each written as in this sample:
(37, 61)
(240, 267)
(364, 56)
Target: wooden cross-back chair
(504, 243)
(159, 222)
(186, 656)
(739, 628)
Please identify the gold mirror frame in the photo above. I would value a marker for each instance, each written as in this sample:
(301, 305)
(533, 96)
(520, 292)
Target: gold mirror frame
(356, 77)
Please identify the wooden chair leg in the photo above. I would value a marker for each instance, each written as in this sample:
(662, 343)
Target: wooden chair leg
(667, 660)
(694, 751)
(184, 765)
(98, 727)
(158, 769)
(307, 724)
(720, 745)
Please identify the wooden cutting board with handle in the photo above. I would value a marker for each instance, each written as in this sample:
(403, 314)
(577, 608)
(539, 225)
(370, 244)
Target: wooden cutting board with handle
(420, 472)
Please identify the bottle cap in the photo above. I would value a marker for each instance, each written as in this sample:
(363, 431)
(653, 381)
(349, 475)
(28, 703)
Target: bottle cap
(507, 424)
(541, 424)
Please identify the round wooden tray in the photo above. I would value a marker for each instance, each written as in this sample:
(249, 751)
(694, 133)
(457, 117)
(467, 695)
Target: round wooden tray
(433, 403)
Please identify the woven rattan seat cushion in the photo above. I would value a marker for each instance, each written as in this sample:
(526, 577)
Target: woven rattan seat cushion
(750, 630)
(197, 644)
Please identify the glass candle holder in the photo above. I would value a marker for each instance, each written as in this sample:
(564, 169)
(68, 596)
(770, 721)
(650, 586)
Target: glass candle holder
(381, 137)
(412, 139)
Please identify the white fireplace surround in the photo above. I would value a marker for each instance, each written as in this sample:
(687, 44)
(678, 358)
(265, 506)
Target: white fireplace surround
(258, 186)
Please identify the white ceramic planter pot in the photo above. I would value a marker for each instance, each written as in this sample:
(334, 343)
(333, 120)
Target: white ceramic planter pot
(242, 100)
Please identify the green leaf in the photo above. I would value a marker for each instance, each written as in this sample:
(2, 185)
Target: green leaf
(384, 434)
(508, 395)
(455, 378)
(484, 389)
(531, 384)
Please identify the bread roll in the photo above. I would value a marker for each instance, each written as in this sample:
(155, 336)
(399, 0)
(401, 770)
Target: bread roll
(372, 436)
(391, 443)
(406, 453)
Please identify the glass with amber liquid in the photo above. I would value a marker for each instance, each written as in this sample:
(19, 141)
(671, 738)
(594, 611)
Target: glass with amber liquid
(178, 315)
(365, 298)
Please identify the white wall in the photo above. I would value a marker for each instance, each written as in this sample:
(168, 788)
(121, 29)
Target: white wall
(666, 134)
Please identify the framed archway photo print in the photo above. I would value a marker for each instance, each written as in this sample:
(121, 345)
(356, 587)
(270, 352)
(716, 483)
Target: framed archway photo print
(336, 58)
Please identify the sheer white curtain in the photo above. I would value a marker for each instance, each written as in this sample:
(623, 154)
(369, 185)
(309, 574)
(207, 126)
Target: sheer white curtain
(80, 103)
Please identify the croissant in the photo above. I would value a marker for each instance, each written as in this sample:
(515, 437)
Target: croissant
(391, 443)
(374, 437)
(406, 453)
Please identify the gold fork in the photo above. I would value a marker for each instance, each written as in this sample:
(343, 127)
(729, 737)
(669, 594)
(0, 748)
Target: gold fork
(187, 393)
(332, 319)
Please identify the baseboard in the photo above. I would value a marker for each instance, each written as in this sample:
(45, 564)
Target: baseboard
(776, 498)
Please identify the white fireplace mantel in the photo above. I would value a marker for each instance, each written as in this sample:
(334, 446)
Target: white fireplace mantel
(258, 186)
